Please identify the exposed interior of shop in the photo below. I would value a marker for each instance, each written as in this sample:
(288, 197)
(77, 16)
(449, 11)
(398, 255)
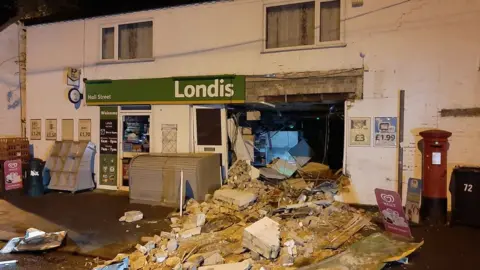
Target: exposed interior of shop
(293, 134)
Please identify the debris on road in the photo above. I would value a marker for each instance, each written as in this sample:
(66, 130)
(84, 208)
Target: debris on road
(6, 236)
(263, 237)
(132, 216)
(250, 223)
(4, 263)
(372, 252)
(237, 199)
(120, 262)
(34, 240)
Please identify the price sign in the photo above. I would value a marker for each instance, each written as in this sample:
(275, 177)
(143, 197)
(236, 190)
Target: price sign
(51, 129)
(385, 131)
(84, 130)
(35, 129)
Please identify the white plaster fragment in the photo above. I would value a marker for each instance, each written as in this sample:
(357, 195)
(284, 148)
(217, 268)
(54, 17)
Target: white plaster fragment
(263, 237)
(245, 265)
(241, 199)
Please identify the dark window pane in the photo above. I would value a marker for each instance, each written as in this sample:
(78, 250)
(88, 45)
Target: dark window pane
(108, 43)
(209, 127)
(135, 40)
(330, 21)
(291, 25)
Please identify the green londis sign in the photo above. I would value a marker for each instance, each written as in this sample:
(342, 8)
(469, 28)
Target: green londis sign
(221, 89)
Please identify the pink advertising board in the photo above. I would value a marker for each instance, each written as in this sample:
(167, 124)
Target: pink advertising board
(390, 206)
(12, 170)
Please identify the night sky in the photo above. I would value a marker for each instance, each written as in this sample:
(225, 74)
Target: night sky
(92, 8)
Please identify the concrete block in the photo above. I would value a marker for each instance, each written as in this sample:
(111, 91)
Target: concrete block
(214, 259)
(238, 198)
(191, 232)
(160, 257)
(172, 245)
(245, 265)
(263, 237)
(132, 216)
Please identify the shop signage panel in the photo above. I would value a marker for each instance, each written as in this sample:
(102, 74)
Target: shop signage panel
(221, 89)
(84, 130)
(390, 206)
(385, 131)
(12, 170)
(67, 129)
(35, 129)
(108, 145)
(51, 129)
(360, 131)
(414, 199)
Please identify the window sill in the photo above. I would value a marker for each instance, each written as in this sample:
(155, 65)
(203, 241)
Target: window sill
(336, 44)
(111, 62)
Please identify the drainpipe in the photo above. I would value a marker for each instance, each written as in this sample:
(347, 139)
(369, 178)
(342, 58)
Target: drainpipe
(401, 122)
(22, 68)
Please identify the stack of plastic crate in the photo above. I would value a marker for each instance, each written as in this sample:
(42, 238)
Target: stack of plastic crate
(4, 149)
(18, 148)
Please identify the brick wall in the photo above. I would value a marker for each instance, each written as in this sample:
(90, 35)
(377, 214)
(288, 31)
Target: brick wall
(304, 83)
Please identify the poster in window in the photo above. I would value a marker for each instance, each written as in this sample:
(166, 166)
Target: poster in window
(35, 129)
(385, 131)
(51, 129)
(360, 131)
(67, 129)
(84, 130)
(108, 145)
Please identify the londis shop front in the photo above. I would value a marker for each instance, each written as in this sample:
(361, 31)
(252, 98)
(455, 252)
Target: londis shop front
(161, 115)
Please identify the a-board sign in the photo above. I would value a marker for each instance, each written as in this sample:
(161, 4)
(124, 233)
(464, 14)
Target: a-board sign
(12, 170)
(390, 206)
(414, 199)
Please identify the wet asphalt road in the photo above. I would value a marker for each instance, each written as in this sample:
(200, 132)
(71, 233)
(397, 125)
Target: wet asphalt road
(47, 261)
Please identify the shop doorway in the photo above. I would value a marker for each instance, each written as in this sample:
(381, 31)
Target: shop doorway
(134, 140)
(210, 132)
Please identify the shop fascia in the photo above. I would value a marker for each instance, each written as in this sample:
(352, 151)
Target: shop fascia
(221, 89)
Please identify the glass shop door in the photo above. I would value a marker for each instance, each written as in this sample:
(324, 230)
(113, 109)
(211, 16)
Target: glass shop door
(134, 139)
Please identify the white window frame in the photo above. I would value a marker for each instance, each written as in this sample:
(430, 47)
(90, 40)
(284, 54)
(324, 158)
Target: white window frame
(317, 44)
(115, 26)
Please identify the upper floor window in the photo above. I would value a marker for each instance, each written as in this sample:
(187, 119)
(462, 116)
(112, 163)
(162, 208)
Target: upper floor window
(302, 24)
(128, 41)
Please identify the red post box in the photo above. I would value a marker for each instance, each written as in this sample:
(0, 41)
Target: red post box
(434, 194)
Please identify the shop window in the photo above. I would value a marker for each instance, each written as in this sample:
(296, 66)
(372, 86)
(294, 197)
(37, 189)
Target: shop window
(136, 136)
(295, 25)
(127, 41)
(209, 127)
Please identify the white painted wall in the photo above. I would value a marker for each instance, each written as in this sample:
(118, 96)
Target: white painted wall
(171, 114)
(427, 47)
(10, 124)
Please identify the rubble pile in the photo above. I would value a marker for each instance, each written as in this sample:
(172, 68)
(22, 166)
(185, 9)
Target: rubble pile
(248, 224)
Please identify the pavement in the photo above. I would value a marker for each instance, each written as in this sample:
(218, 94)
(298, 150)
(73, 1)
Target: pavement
(91, 220)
